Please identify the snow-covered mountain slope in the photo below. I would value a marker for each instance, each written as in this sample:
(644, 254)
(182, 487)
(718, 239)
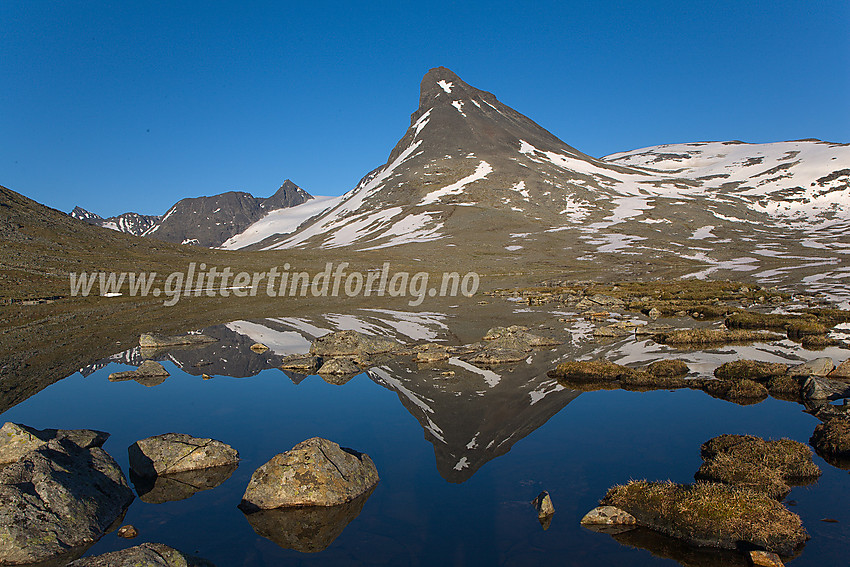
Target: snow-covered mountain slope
(204, 221)
(803, 181)
(280, 221)
(473, 176)
(131, 223)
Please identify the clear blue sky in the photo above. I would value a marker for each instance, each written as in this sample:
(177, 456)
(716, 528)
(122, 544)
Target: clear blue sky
(120, 106)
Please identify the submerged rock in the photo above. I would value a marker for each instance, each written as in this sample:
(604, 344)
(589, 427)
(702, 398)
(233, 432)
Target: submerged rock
(177, 452)
(316, 472)
(308, 530)
(711, 514)
(57, 501)
(155, 340)
(17, 440)
(144, 555)
(352, 343)
(179, 486)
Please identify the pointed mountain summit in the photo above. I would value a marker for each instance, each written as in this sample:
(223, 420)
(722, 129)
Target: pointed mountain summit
(473, 176)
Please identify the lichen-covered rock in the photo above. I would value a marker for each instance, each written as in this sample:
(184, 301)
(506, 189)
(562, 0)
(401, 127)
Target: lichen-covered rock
(352, 343)
(303, 362)
(155, 340)
(149, 373)
(608, 516)
(144, 555)
(177, 452)
(711, 514)
(57, 501)
(17, 440)
(430, 353)
(316, 472)
(308, 530)
(817, 367)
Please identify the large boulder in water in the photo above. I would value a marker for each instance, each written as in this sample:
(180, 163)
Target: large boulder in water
(177, 452)
(316, 472)
(17, 440)
(57, 501)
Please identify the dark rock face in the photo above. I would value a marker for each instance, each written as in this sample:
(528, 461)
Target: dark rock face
(17, 440)
(308, 530)
(202, 221)
(316, 472)
(171, 453)
(57, 501)
(145, 555)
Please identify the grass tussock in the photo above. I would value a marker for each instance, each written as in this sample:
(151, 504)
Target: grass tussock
(750, 370)
(590, 371)
(668, 368)
(832, 438)
(752, 462)
(711, 514)
(742, 392)
(699, 337)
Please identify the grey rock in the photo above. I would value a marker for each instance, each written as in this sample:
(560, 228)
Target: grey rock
(316, 472)
(150, 373)
(842, 371)
(351, 343)
(816, 367)
(608, 516)
(819, 388)
(57, 501)
(155, 340)
(17, 440)
(177, 452)
(611, 331)
(144, 555)
(308, 530)
(499, 356)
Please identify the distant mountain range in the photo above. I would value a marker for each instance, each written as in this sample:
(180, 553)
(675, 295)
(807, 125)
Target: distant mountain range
(203, 221)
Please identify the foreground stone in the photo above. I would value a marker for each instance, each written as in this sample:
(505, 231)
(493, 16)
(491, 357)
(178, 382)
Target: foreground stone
(144, 555)
(608, 516)
(308, 530)
(352, 343)
(752, 462)
(57, 501)
(842, 371)
(17, 440)
(819, 388)
(816, 367)
(710, 514)
(149, 373)
(177, 452)
(316, 472)
(155, 340)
